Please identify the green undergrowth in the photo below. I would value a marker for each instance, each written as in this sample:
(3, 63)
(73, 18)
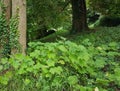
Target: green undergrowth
(83, 62)
(98, 36)
(55, 36)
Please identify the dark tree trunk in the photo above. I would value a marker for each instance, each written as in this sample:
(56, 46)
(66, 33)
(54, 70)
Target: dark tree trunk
(79, 20)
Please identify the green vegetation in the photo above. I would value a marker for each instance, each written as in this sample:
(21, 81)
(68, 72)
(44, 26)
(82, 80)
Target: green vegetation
(59, 45)
(83, 63)
(8, 35)
(105, 7)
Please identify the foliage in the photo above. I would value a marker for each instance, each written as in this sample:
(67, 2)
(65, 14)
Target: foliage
(105, 7)
(8, 33)
(48, 13)
(51, 66)
(3, 34)
(87, 65)
(14, 34)
(99, 36)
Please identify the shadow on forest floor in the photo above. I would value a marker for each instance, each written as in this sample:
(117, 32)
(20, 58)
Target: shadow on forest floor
(98, 31)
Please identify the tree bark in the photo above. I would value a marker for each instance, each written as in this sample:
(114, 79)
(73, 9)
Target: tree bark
(7, 4)
(79, 20)
(19, 6)
(7, 12)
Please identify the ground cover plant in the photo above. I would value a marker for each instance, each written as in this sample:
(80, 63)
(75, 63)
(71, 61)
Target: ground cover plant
(59, 45)
(85, 62)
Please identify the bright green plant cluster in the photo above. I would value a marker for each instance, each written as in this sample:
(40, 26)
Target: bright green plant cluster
(62, 66)
(50, 67)
(87, 65)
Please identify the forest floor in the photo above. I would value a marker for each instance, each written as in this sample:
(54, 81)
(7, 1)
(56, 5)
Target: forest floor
(93, 56)
(96, 32)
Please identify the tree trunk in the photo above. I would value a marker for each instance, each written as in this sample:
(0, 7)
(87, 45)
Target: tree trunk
(7, 12)
(79, 20)
(19, 6)
(8, 9)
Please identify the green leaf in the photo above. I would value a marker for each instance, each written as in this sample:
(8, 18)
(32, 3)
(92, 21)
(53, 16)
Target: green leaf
(96, 89)
(102, 82)
(62, 48)
(57, 81)
(73, 58)
(29, 69)
(72, 80)
(27, 81)
(61, 62)
(50, 63)
(83, 88)
(113, 53)
(16, 64)
(37, 66)
(4, 61)
(84, 55)
(100, 62)
(56, 70)
(1, 67)
(4, 80)
(21, 71)
(113, 44)
(51, 55)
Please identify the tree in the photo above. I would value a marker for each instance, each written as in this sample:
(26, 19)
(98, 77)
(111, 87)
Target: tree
(5, 16)
(19, 7)
(79, 20)
(7, 4)
(9, 38)
(55, 14)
